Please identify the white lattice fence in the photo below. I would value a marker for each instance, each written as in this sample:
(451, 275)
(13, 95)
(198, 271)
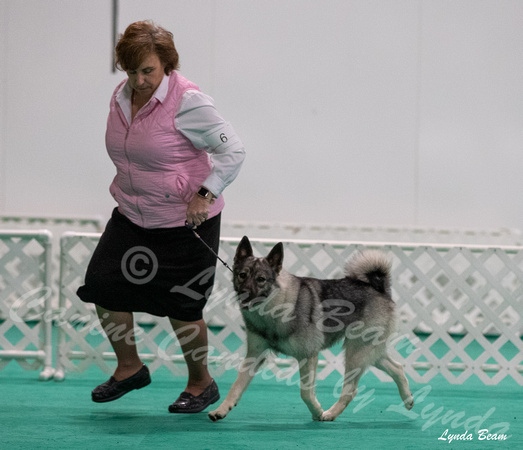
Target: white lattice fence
(358, 233)
(56, 225)
(25, 306)
(469, 298)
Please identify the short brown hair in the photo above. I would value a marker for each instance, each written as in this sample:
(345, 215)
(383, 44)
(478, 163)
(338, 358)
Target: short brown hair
(141, 39)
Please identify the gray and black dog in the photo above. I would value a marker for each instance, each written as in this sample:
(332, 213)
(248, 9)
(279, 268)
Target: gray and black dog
(300, 316)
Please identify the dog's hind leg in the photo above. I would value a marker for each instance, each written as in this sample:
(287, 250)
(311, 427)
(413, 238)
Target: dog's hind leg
(256, 348)
(356, 362)
(395, 370)
(308, 386)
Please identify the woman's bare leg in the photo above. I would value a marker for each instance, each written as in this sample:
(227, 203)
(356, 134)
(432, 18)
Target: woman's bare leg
(192, 337)
(119, 327)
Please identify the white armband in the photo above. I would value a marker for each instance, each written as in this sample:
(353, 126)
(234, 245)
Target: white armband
(221, 138)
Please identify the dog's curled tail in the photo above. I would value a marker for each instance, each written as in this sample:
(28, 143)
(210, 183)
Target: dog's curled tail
(372, 267)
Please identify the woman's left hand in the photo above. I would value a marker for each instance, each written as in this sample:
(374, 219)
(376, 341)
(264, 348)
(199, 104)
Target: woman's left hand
(198, 210)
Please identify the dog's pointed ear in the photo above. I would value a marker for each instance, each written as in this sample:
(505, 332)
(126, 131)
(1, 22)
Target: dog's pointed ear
(275, 257)
(244, 249)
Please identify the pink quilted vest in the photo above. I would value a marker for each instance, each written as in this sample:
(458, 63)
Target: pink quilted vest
(158, 170)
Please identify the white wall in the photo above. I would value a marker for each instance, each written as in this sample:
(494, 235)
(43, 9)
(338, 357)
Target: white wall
(403, 112)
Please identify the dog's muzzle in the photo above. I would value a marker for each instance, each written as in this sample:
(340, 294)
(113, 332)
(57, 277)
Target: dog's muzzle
(247, 301)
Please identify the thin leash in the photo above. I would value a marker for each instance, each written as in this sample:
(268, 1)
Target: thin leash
(190, 226)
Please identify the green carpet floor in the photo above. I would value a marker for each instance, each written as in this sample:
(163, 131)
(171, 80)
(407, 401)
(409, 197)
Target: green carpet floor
(271, 415)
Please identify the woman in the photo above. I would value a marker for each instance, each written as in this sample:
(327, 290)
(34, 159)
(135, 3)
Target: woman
(174, 155)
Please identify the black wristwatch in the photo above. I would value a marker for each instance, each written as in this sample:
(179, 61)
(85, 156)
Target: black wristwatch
(205, 193)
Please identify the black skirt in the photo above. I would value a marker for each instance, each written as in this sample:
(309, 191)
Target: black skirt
(164, 271)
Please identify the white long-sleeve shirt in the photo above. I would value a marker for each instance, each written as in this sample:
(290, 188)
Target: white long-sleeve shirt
(200, 122)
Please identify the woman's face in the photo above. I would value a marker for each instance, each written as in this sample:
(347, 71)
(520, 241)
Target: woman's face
(146, 78)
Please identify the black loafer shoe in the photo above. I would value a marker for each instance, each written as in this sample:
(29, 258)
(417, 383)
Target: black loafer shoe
(112, 389)
(188, 403)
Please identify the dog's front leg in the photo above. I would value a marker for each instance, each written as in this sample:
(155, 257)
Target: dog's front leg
(308, 386)
(256, 349)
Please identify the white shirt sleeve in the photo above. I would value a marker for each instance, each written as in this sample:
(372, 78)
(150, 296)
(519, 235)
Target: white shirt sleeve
(199, 121)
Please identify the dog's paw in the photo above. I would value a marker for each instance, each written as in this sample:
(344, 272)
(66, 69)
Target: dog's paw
(327, 417)
(216, 415)
(219, 413)
(409, 403)
(317, 416)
